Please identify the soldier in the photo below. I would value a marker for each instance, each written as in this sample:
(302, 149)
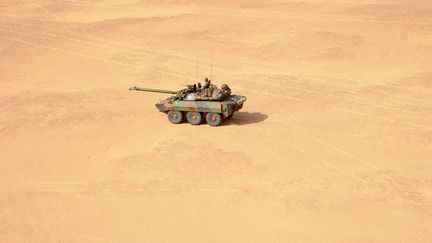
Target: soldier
(189, 88)
(207, 83)
(213, 93)
(184, 92)
(226, 89)
(222, 93)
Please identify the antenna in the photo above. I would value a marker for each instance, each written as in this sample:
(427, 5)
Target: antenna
(211, 67)
(197, 71)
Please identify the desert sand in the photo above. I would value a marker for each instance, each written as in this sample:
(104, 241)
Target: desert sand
(333, 145)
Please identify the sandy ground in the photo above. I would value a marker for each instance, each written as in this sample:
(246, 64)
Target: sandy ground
(333, 145)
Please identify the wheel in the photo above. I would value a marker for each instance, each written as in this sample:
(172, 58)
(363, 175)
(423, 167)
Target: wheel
(214, 119)
(175, 117)
(194, 118)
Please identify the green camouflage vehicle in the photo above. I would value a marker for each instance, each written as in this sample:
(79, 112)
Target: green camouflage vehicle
(196, 105)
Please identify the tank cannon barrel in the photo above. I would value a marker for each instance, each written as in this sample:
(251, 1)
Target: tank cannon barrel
(153, 90)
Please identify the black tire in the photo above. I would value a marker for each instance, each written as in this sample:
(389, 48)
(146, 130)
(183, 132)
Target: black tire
(194, 118)
(214, 119)
(175, 117)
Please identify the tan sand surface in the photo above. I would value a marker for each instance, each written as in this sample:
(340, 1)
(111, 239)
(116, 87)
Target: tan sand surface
(333, 145)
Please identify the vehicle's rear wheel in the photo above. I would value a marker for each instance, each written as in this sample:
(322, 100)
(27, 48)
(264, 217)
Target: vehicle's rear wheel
(214, 119)
(175, 117)
(194, 118)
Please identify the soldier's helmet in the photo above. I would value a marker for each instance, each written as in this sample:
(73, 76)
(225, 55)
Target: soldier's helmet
(224, 86)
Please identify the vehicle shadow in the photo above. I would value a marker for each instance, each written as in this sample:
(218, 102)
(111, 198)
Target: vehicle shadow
(244, 118)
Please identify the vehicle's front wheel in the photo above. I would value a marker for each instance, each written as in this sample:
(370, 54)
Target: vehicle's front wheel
(214, 119)
(175, 117)
(194, 118)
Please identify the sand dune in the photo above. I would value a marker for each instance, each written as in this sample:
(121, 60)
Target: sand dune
(333, 145)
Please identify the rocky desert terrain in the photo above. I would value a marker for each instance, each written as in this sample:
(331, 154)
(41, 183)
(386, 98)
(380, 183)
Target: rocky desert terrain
(333, 145)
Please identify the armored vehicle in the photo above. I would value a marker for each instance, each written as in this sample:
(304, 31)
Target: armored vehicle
(195, 104)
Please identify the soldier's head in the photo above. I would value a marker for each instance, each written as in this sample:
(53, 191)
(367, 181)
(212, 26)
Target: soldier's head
(224, 87)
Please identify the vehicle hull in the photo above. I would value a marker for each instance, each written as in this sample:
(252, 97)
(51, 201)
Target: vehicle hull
(226, 107)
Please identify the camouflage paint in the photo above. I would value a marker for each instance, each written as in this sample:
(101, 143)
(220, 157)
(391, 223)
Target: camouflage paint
(227, 107)
(205, 106)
